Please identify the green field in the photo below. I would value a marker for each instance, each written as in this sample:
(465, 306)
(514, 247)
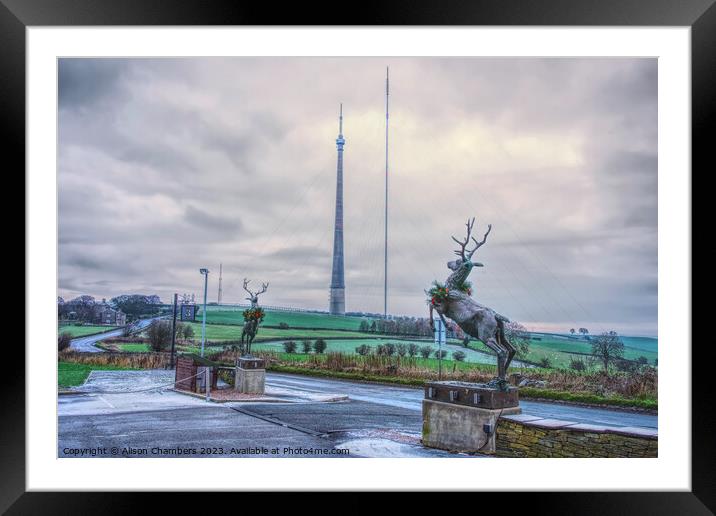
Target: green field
(70, 374)
(81, 331)
(228, 315)
(340, 332)
(349, 345)
(560, 350)
(232, 332)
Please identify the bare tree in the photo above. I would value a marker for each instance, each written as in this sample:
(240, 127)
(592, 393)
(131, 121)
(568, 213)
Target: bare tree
(160, 334)
(607, 348)
(518, 335)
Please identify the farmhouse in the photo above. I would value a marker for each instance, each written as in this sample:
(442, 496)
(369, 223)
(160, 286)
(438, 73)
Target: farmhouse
(102, 313)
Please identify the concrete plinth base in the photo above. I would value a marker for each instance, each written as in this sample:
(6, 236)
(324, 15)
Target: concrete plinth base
(461, 428)
(250, 381)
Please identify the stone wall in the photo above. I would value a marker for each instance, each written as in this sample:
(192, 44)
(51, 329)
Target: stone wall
(529, 436)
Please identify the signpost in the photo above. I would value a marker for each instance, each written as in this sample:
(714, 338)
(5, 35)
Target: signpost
(440, 340)
(174, 331)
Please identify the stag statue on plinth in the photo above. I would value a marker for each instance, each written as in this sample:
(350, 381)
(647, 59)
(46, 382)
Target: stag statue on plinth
(454, 300)
(252, 318)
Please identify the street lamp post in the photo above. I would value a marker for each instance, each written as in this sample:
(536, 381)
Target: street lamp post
(205, 273)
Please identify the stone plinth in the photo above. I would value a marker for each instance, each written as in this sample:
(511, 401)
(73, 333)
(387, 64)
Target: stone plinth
(250, 375)
(249, 362)
(461, 416)
(461, 428)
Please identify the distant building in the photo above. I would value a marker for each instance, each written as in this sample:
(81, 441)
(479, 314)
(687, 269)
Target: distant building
(102, 313)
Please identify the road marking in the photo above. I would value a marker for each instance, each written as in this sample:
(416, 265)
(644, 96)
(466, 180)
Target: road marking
(107, 402)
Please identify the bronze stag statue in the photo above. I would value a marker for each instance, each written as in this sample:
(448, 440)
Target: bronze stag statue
(453, 300)
(252, 318)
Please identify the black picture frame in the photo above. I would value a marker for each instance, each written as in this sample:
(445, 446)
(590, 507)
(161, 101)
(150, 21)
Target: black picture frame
(699, 15)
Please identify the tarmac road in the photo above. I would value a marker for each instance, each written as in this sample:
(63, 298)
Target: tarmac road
(118, 410)
(411, 398)
(87, 344)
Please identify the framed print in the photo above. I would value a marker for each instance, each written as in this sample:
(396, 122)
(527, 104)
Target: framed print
(452, 243)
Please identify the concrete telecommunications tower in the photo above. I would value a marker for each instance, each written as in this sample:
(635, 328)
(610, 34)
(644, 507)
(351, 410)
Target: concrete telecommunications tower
(338, 287)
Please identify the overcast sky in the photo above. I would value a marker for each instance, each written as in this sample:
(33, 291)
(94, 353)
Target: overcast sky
(166, 166)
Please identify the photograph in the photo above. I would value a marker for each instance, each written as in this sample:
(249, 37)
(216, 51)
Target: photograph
(322, 257)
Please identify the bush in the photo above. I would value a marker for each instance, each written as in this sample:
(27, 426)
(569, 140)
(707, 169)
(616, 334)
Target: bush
(466, 342)
(289, 346)
(626, 366)
(402, 349)
(63, 340)
(283, 325)
(459, 356)
(187, 332)
(440, 353)
(389, 349)
(307, 346)
(363, 350)
(320, 346)
(577, 364)
(426, 351)
(545, 362)
(160, 334)
(413, 349)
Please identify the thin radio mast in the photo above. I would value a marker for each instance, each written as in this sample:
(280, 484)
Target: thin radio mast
(385, 269)
(219, 297)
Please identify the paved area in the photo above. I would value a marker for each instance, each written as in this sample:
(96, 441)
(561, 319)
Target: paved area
(132, 414)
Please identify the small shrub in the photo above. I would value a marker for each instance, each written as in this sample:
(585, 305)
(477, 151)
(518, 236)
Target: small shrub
(187, 332)
(363, 350)
(283, 325)
(307, 346)
(320, 346)
(440, 353)
(63, 340)
(466, 341)
(577, 364)
(426, 351)
(459, 356)
(401, 349)
(413, 349)
(389, 349)
(545, 362)
(289, 346)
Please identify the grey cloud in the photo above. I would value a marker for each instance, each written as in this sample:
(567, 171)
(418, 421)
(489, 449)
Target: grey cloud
(169, 165)
(82, 82)
(211, 222)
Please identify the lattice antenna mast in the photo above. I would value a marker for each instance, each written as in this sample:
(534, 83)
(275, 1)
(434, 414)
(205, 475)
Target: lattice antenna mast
(385, 264)
(220, 290)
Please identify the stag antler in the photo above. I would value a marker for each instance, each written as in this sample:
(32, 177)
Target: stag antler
(481, 243)
(264, 287)
(463, 244)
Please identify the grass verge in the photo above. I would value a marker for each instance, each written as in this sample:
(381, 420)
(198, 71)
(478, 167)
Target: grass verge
(587, 398)
(70, 374)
